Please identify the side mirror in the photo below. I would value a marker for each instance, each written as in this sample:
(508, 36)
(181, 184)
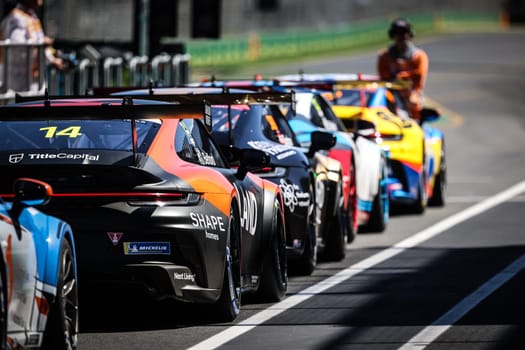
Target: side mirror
(429, 115)
(29, 193)
(231, 154)
(320, 140)
(251, 159)
(365, 128)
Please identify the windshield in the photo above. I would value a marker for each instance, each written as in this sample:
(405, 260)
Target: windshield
(76, 134)
(350, 97)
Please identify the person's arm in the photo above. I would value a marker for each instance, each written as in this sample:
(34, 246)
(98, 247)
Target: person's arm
(383, 67)
(419, 71)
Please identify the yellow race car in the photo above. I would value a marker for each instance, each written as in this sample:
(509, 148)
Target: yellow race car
(416, 151)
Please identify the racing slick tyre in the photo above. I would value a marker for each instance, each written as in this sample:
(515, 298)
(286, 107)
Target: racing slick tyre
(228, 306)
(338, 228)
(62, 324)
(308, 261)
(351, 212)
(420, 204)
(274, 279)
(380, 209)
(349, 220)
(440, 184)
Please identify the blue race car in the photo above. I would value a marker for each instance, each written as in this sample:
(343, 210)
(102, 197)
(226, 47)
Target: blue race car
(38, 290)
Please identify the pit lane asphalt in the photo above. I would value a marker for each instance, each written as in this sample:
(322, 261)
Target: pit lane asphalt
(478, 81)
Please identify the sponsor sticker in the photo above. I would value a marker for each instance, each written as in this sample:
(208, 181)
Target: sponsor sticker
(147, 248)
(293, 196)
(208, 222)
(115, 237)
(277, 150)
(184, 276)
(16, 158)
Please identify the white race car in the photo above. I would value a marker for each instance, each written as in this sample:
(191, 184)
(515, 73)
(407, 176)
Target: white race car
(363, 161)
(38, 289)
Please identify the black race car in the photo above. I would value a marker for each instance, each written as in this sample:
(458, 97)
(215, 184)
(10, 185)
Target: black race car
(151, 198)
(246, 119)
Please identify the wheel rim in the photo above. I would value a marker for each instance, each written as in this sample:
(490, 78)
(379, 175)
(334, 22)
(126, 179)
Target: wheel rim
(235, 290)
(69, 299)
(234, 267)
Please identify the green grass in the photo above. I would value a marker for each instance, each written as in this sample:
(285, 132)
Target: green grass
(230, 56)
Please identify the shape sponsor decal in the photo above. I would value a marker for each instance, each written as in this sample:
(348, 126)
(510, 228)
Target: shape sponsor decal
(208, 222)
(147, 248)
(275, 149)
(248, 210)
(293, 196)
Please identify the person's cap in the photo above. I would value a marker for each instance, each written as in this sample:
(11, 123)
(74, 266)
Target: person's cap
(400, 25)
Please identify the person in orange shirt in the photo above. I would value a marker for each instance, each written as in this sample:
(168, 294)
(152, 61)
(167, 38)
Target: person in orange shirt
(403, 60)
(22, 25)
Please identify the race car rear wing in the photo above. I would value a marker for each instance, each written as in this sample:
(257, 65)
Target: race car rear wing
(103, 110)
(352, 84)
(215, 96)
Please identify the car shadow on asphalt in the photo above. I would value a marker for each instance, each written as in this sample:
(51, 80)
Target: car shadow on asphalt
(119, 308)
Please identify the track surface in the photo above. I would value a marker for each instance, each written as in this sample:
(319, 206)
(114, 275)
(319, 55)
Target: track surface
(453, 283)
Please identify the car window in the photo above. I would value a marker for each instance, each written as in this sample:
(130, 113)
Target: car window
(115, 135)
(194, 144)
(329, 119)
(275, 127)
(399, 106)
(350, 97)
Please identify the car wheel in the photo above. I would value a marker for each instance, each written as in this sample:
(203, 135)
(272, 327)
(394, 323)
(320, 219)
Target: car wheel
(440, 184)
(420, 204)
(62, 323)
(351, 212)
(336, 239)
(380, 208)
(274, 279)
(308, 260)
(228, 307)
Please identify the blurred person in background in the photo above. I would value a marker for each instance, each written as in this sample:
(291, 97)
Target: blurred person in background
(22, 25)
(403, 60)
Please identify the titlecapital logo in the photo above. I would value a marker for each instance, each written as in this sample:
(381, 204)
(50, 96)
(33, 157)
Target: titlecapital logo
(16, 158)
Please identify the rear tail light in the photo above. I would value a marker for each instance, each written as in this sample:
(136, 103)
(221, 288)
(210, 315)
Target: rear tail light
(158, 199)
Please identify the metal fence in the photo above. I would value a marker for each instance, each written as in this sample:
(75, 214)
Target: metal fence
(78, 77)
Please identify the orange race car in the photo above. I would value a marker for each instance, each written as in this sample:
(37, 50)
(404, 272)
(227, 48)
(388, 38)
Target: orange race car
(151, 199)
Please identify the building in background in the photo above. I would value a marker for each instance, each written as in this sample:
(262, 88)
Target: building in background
(142, 25)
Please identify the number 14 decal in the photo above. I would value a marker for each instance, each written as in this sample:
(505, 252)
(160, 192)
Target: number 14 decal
(71, 132)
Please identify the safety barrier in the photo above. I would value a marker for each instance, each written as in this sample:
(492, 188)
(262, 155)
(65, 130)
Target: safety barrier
(78, 77)
(21, 54)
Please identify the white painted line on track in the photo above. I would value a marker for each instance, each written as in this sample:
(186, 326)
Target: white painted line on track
(427, 335)
(343, 275)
